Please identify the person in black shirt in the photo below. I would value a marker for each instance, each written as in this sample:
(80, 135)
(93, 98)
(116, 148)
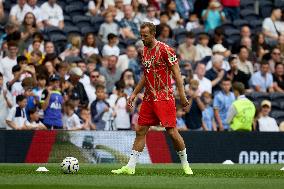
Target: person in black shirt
(278, 78)
(235, 74)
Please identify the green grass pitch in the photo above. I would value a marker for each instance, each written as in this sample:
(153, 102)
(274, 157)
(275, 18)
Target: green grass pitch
(162, 176)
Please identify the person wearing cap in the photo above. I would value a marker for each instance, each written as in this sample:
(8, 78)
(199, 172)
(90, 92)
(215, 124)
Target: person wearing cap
(221, 50)
(51, 103)
(77, 87)
(242, 112)
(213, 16)
(266, 123)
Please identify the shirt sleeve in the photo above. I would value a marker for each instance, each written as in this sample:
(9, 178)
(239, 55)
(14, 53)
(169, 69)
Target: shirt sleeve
(216, 103)
(11, 114)
(231, 114)
(77, 122)
(60, 12)
(13, 11)
(169, 56)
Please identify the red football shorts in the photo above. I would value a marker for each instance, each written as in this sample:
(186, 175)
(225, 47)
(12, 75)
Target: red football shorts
(152, 113)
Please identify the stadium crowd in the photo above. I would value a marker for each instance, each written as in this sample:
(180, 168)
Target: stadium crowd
(72, 64)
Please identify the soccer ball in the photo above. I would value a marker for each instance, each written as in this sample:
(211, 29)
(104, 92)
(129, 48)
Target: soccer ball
(70, 165)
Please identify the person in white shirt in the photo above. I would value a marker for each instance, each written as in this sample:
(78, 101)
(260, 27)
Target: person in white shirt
(32, 4)
(17, 115)
(91, 88)
(204, 83)
(202, 49)
(265, 122)
(94, 7)
(271, 27)
(9, 61)
(121, 111)
(52, 14)
(89, 46)
(111, 48)
(221, 50)
(71, 121)
(34, 123)
(18, 11)
(5, 103)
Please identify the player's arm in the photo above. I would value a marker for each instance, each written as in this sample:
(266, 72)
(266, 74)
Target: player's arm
(179, 83)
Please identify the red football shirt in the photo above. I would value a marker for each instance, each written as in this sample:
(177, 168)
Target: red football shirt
(157, 62)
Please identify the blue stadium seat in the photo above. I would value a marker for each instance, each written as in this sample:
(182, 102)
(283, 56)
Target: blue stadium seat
(278, 115)
(277, 96)
(51, 30)
(259, 96)
(240, 22)
(74, 10)
(87, 29)
(72, 30)
(267, 8)
(81, 21)
(228, 25)
(247, 4)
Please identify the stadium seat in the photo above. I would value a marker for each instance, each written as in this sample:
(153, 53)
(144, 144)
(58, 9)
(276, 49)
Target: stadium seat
(68, 21)
(87, 29)
(247, 4)
(249, 15)
(278, 115)
(74, 10)
(259, 96)
(256, 24)
(72, 30)
(97, 20)
(276, 105)
(239, 23)
(266, 11)
(51, 30)
(59, 41)
(228, 25)
(81, 21)
(277, 96)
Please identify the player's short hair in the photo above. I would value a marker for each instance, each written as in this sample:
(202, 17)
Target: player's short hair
(20, 98)
(152, 27)
(240, 87)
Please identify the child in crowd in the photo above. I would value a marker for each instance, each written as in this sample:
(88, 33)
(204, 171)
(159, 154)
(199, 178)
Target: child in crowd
(121, 110)
(109, 26)
(86, 120)
(111, 48)
(17, 115)
(208, 120)
(5, 103)
(51, 103)
(181, 126)
(74, 48)
(193, 22)
(71, 121)
(99, 107)
(89, 46)
(38, 43)
(15, 85)
(33, 123)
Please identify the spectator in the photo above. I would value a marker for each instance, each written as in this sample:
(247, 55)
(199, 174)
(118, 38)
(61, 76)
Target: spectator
(77, 87)
(265, 123)
(127, 77)
(37, 37)
(175, 20)
(271, 28)
(231, 9)
(85, 79)
(51, 103)
(10, 28)
(32, 101)
(278, 78)
(62, 70)
(119, 9)
(86, 120)
(275, 58)
(49, 68)
(262, 81)
(281, 45)
(129, 29)
(111, 73)
(202, 49)
(216, 73)
(245, 31)
(93, 63)
(18, 11)
(184, 8)
(213, 16)
(193, 115)
(151, 15)
(243, 63)
(166, 35)
(260, 42)
(187, 50)
(221, 104)
(129, 60)
(94, 7)
(108, 27)
(74, 49)
(208, 120)
(49, 47)
(242, 111)
(32, 4)
(33, 123)
(204, 83)
(111, 49)
(5, 103)
(181, 126)
(193, 22)
(17, 115)
(121, 109)
(220, 50)
(52, 14)
(14, 86)
(236, 75)
(99, 107)
(218, 38)
(2, 13)
(28, 27)
(91, 88)
(89, 45)
(71, 120)
(7, 63)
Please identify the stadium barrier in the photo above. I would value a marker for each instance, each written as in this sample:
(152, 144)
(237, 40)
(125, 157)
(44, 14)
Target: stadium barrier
(115, 146)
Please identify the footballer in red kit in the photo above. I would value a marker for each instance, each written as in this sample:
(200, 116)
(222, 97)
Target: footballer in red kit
(158, 106)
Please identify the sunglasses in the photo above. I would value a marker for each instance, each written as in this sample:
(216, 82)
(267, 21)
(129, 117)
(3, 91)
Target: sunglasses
(95, 76)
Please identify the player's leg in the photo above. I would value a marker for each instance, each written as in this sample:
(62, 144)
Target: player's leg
(180, 148)
(166, 111)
